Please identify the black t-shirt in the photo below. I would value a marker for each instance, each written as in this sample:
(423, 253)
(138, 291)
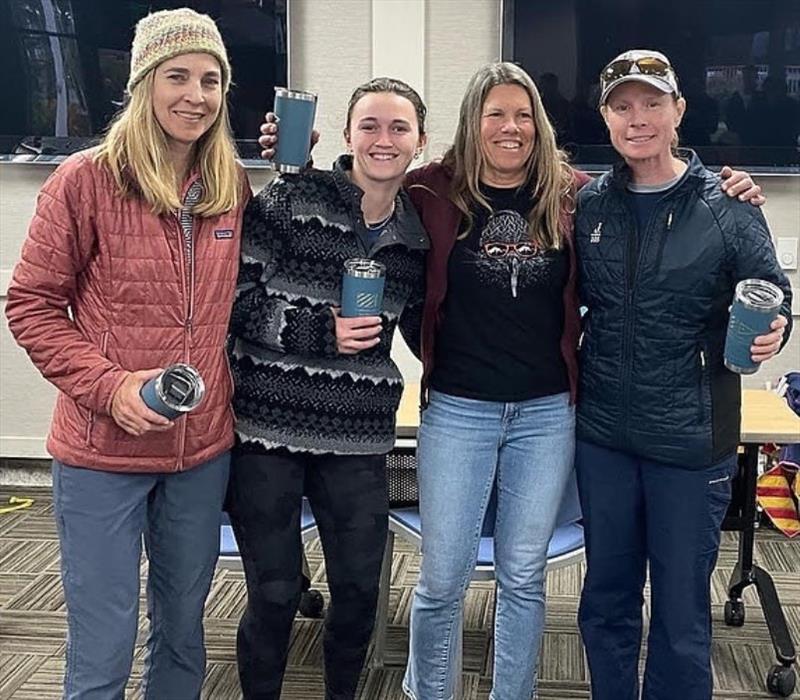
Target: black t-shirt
(504, 311)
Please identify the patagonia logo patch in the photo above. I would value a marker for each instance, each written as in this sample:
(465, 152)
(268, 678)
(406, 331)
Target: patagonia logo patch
(223, 233)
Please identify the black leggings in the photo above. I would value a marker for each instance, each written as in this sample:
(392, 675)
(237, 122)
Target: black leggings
(348, 496)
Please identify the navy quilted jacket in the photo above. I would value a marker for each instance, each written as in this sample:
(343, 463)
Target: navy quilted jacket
(652, 380)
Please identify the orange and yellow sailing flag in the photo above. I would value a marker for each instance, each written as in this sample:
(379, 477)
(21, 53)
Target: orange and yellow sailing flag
(778, 493)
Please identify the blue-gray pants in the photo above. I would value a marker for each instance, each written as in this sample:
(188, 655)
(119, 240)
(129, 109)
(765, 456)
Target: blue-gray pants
(101, 517)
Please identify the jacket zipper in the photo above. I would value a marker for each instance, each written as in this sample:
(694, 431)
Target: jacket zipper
(187, 294)
(632, 266)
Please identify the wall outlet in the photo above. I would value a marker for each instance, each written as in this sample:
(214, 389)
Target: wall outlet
(786, 248)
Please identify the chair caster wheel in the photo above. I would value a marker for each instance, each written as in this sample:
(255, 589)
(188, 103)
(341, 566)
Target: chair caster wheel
(312, 604)
(781, 680)
(734, 613)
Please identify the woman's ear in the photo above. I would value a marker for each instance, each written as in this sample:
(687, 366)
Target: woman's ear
(604, 114)
(346, 134)
(680, 107)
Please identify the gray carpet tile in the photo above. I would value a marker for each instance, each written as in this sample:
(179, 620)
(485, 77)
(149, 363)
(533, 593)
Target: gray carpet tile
(33, 623)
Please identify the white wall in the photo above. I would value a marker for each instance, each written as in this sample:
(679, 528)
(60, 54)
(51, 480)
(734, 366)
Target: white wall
(435, 45)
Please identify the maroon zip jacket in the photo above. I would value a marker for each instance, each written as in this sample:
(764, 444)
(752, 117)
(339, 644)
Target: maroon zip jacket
(429, 188)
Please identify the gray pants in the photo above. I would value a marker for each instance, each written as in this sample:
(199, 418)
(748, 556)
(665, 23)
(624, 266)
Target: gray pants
(101, 518)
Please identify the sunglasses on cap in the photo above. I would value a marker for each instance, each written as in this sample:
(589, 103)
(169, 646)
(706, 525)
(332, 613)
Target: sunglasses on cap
(647, 65)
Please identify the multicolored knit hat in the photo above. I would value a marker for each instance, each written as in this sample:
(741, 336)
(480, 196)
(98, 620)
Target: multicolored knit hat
(163, 35)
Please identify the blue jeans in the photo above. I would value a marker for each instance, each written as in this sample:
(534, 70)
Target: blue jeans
(464, 446)
(101, 517)
(640, 514)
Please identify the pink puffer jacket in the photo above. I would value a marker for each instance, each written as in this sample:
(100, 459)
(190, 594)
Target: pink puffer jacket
(101, 289)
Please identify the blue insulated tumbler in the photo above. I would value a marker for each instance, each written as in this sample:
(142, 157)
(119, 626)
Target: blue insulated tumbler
(755, 307)
(177, 390)
(362, 287)
(295, 111)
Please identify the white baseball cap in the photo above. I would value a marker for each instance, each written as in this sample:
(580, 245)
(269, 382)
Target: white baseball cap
(640, 65)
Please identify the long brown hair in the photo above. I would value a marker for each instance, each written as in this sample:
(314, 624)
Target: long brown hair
(548, 174)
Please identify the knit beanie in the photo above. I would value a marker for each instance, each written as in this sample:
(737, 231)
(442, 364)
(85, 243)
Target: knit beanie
(163, 35)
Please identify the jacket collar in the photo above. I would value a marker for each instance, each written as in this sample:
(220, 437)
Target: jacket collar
(620, 174)
(404, 227)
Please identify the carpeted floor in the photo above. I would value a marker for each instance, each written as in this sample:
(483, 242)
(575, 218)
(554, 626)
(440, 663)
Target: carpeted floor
(32, 623)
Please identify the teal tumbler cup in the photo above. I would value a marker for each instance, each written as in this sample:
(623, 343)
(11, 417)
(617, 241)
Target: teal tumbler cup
(295, 111)
(755, 306)
(362, 287)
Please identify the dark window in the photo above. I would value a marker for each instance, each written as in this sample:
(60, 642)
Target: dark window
(66, 64)
(738, 62)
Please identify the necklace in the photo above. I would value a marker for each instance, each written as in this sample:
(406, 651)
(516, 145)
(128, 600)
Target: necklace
(380, 224)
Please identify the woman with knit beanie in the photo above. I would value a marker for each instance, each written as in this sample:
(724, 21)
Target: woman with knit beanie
(129, 266)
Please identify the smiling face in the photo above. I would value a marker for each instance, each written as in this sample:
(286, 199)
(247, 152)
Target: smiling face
(187, 96)
(383, 135)
(508, 135)
(642, 122)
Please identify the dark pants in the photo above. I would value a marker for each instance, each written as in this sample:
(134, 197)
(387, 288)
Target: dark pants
(348, 496)
(639, 513)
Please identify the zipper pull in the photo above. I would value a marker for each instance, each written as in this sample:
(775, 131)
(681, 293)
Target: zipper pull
(669, 221)
(702, 359)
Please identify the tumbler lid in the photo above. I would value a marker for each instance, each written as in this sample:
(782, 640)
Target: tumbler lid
(180, 387)
(364, 267)
(295, 94)
(759, 294)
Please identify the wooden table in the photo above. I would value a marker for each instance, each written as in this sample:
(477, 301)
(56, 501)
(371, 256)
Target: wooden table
(765, 418)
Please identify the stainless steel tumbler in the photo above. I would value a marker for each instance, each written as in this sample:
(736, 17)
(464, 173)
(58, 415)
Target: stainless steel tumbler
(177, 390)
(755, 307)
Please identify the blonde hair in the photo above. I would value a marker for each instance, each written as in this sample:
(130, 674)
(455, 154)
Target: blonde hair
(547, 171)
(136, 152)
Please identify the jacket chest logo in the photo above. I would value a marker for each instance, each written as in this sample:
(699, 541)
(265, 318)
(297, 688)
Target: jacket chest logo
(595, 236)
(223, 233)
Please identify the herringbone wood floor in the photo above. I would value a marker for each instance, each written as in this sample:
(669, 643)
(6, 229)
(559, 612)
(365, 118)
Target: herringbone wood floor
(32, 623)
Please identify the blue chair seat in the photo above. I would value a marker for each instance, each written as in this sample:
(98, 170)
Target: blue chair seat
(565, 546)
(229, 550)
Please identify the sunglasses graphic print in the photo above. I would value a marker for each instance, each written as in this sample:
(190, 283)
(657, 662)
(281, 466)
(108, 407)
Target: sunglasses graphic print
(506, 256)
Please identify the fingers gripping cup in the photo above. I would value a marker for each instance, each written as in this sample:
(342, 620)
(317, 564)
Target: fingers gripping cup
(362, 287)
(177, 390)
(295, 111)
(755, 307)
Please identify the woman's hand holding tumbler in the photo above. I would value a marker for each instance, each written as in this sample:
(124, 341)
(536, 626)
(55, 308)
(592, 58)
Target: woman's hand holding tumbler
(269, 137)
(356, 333)
(129, 411)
